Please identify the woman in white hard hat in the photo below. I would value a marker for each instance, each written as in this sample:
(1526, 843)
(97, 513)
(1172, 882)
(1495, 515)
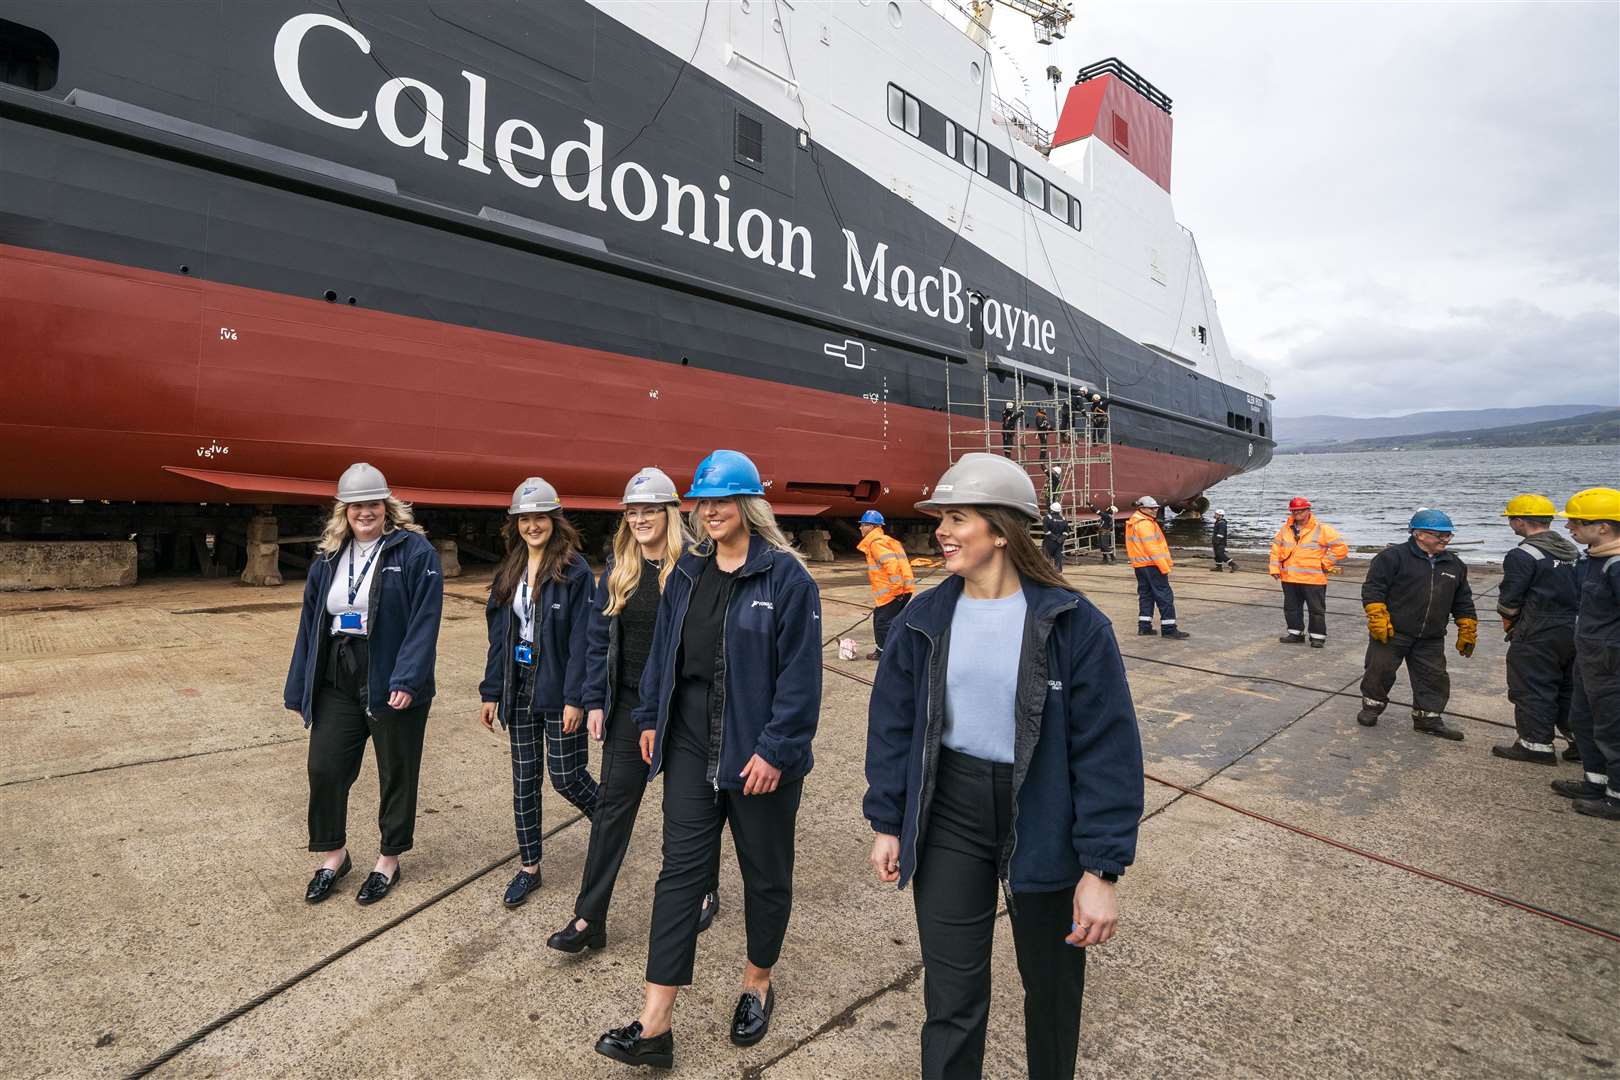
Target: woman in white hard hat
(362, 668)
(624, 609)
(729, 704)
(1030, 775)
(534, 676)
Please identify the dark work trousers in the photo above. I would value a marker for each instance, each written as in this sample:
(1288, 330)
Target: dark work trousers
(1540, 682)
(1055, 554)
(337, 745)
(1594, 715)
(618, 801)
(1299, 598)
(1220, 554)
(762, 832)
(1425, 660)
(883, 617)
(1153, 588)
(567, 756)
(957, 896)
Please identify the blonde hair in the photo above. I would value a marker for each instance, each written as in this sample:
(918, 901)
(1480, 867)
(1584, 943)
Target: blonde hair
(758, 517)
(627, 558)
(396, 515)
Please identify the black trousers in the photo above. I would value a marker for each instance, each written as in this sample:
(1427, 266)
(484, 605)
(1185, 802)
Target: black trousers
(1220, 553)
(956, 890)
(1297, 599)
(1594, 714)
(618, 802)
(1153, 589)
(1425, 660)
(1541, 681)
(761, 830)
(337, 746)
(883, 617)
(1055, 554)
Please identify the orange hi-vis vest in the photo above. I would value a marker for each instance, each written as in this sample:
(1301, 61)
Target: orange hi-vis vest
(1306, 560)
(1145, 544)
(888, 568)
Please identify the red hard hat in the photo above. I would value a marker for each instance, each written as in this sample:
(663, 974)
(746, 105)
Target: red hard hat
(1299, 503)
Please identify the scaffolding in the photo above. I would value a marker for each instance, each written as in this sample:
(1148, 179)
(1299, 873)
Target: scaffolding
(1071, 462)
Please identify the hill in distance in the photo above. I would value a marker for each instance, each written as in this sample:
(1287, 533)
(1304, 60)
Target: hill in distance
(1295, 432)
(1601, 428)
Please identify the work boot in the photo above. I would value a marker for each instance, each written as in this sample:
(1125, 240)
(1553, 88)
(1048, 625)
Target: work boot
(1432, 724)
(1517, 751)
(1175, 633)
(1370, 711)
(1318, 643)
(1577, 789)
(1292, 638)
(1607, 808)
(1146, 630)
(1572, 752)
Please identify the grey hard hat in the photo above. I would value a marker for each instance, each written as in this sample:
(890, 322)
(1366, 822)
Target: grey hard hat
(650, 485)
(360, 483)
(534, 496)
(1148, 501)
(984, 480)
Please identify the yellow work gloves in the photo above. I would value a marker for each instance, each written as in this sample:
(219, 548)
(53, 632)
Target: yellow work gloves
(1333, 569)
(1379, 628)
(1467, 635)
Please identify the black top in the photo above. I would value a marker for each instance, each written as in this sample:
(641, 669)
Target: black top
(700, 655)
(636, 621)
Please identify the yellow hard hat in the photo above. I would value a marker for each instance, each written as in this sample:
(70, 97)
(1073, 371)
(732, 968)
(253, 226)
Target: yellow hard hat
(1594, 504)
(1531, 506)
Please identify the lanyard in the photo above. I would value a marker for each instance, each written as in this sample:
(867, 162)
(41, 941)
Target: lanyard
(354, 547)
(528, 603)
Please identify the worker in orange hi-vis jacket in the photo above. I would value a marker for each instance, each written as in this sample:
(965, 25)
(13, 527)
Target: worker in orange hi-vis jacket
(1303, 553)
(888, 571)
(1149, 553)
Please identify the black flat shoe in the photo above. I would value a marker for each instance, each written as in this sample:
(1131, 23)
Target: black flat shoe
(752, 1020)
(626, 1045)
(711, 908)
(570, 940)
(1292, 639)
(377, 886)
(1577, 789)
(320, 886)
(1517, 751)
(1607, 808)
(520, 888)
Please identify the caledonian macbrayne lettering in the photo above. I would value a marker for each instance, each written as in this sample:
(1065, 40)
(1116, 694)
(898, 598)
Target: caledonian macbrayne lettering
(576, 169)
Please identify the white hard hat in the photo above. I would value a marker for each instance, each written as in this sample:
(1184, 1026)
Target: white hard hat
(534, 496)
(1220, 513)
(1056, 507)
(1148, 501)
(650, 485)
(1113, 509)
(360, 483)
(1096, 397)
(981, 479)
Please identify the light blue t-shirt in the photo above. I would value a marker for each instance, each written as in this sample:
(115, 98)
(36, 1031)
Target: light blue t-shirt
(981, 676)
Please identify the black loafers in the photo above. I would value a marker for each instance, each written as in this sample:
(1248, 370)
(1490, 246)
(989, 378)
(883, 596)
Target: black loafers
(711, 908)
(627, 1046)
(572, 940)
(752, 1019)
(377, 886)
(320, 886)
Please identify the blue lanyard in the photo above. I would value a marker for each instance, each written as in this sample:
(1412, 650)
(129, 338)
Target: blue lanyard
(354, 547)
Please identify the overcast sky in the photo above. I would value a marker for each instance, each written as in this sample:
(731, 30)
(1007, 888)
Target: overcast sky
(1400, 206)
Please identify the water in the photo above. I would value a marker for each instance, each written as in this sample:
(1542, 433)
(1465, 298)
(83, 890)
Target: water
(1369, 497)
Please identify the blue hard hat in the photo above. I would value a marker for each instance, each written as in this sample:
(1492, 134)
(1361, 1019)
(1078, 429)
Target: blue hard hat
(1430, 521)
(871, 517)
(723, 474)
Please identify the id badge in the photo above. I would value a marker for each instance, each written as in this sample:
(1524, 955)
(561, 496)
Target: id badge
(349, 620)
(523, 653)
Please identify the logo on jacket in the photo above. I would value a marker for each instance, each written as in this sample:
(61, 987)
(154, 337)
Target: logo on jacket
(556, 607)
(393, 570)
(764, 604)
(1054, 684)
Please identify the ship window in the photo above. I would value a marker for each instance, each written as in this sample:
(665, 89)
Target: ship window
(750, 141)
(1074, 214)
(975, 153)
(950, 138)
(1034, 189)
(1058, 203)
(1122, 134)
(905, 111)
(1203, 335)
(1012, 177)
(1262, 429)
(27, 57)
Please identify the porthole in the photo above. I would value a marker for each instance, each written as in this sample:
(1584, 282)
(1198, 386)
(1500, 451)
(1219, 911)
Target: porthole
(894, 14)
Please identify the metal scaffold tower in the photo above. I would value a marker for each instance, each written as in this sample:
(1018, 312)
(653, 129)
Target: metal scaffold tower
(1071, 462)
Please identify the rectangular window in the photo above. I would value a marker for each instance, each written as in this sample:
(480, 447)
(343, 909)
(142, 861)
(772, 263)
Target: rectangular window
(897, 106)
(1122, 134)
(1262, 429)
(975, 153)
(1034, 189)
(750, 141)
(1012, 177)
(913, 116)
(1058, 203)
(950, 138)
(1074, 214)
(1203, 335)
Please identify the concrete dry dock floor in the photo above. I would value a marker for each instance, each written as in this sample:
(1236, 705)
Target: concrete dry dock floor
(152, 862)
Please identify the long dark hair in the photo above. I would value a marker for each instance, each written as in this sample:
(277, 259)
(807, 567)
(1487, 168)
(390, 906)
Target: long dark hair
(1026, 558)
(559, 551)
